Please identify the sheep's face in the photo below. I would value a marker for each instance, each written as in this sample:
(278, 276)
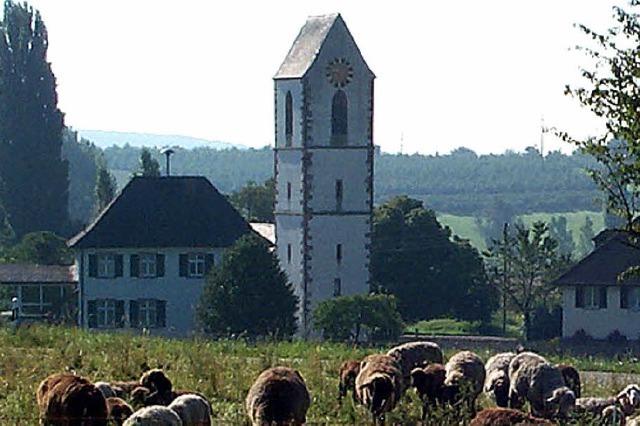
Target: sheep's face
(501, 392)
(624, 402)
(564, 399)
(348, 373)
(633, 392)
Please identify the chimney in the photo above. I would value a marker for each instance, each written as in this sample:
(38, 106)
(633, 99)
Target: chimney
(168, 152)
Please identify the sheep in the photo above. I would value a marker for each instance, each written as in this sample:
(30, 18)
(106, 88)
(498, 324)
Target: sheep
(192, 409)
(505, 417)
(571, 378)
(613, 416)
(348, 372)
(143, 397)
(465, 376)
(497, 377)
(118, 410)
(278, 396)
(533, 379)
(633, 392)
(379, 385)
(124, 388)
(415, 354)
(596, 406)
(154, 415)
(72, 400)
(156, 381)
(429, 382)
(106, 389)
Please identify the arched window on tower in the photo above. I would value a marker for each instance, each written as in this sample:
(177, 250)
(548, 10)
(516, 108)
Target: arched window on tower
(288, 119)
(339, 119)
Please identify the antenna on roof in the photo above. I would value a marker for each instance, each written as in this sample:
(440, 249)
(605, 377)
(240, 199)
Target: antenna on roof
(168, 152)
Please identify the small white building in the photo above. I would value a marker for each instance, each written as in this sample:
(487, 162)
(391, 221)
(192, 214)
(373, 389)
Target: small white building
(593, 299)
(324, 164)
(142, 263)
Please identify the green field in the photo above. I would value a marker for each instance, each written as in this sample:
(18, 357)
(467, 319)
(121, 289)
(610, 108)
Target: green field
(221, 370)
(466, 227)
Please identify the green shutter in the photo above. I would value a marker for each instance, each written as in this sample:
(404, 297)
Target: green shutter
(160, 265)
(603, 297)
(119, 313)
(92, 319)
(134, 310)
(134, 265)
(93, 265)
(579, 297)
(161, 313)
(184, 265)
(624, 297)
(119, 268)
(209, 262)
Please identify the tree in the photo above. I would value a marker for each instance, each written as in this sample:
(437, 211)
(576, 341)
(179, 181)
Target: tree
(44, 248)
(533, 261)
(558, 231)
(348, 318)
(256, 202)
(248, 293)
(586, 237)
(431, 274)
(612, 93)
(148, 166)
(33, 172)
(105, 188)
(494, 218)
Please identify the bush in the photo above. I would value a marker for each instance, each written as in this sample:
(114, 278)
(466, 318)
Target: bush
(580, 337)
(546, 323)
(616, 337)
(352, 318)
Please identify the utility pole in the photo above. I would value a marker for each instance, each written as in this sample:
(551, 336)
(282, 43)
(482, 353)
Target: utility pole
(505, 266)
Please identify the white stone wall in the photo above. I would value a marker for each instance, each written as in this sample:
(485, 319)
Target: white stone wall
(599, 323)
(289, 170)
(295, 88)
(181, 294)
(289, 230)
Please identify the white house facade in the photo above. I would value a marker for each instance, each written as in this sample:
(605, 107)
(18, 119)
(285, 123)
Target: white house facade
(594, 300)
(324, 164)
(142, 263)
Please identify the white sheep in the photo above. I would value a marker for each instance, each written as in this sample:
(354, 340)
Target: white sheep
(533, 379)
(464, 379)
(193, 410)
(154, 415)
(633, 392)
(379, 385)
(497, 377)
(415, 354)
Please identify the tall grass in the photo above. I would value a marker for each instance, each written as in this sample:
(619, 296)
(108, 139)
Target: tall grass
(221, 370)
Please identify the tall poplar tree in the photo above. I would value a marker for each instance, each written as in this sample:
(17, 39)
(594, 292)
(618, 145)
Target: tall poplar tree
(34, 174)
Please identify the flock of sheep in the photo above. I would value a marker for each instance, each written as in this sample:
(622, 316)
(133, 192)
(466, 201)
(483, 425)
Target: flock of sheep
(279, 396)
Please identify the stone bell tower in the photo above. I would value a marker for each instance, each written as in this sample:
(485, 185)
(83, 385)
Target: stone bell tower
(324, 164)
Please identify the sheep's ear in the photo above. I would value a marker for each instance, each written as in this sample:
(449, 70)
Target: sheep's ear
(552, 399)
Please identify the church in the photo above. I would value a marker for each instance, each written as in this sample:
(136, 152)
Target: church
(324, 164)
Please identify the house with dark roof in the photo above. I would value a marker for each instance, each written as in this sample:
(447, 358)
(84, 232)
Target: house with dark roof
(142, 262)
(42, 291)
(594, 299)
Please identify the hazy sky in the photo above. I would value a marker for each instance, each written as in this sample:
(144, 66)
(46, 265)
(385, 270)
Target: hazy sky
(479, 74)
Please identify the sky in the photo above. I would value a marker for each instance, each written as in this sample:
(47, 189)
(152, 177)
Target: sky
(478, 74)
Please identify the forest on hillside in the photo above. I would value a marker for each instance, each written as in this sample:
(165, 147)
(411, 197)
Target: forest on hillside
(460, 183)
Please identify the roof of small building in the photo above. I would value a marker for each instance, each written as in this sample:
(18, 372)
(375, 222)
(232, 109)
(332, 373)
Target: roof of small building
(31, 273)
(265, 230)
(605, 263)
(169, 211)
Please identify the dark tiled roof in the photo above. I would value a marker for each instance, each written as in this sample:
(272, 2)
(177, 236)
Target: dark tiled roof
(306, 47)
(18, 273)
(605, 264)
(175, 211)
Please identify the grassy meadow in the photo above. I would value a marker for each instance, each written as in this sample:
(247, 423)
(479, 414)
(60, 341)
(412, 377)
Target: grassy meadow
(221, 370)
(466, 226)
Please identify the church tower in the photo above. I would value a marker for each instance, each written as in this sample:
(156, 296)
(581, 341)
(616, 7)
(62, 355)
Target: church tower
(324, 164)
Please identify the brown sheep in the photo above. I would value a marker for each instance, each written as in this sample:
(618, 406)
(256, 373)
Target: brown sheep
(379, 385)
(124, 388)
(279, 396)
(348, 372)
(143, 397)
(414, 355)
(156, 381)
(571, 378)
(118, 410)
(505, 417)
(429, 382)
(70, 400)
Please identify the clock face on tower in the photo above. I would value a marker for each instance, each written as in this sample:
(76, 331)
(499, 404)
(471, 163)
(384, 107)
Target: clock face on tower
(339, 72)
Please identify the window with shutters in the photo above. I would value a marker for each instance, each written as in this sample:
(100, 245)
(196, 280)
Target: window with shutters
(148, 313)
(593, 297)
(632, 298)
(196, 262)
(106, 313)
(148, 267)
(106, 263)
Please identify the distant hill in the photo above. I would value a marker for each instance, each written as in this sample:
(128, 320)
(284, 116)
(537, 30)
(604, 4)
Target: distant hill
(105, 139)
